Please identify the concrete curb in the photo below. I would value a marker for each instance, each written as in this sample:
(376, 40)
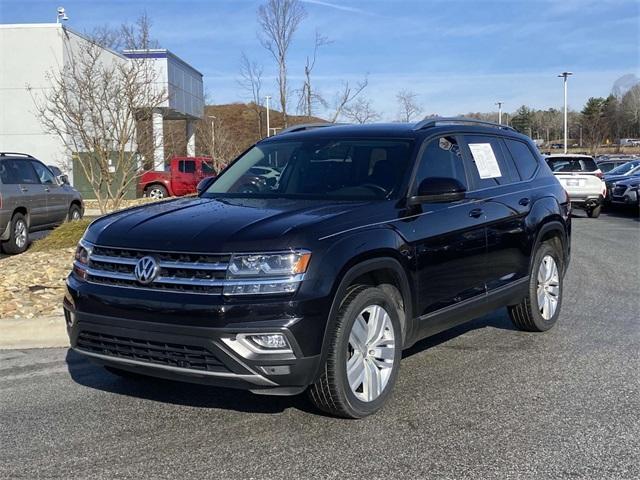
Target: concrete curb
(42, 332)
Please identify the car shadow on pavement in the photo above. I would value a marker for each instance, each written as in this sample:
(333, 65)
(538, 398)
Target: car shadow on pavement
(88, 374)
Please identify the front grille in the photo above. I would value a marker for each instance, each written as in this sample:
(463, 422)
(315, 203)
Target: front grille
(619, 190)
(179, 272)
(161, 353)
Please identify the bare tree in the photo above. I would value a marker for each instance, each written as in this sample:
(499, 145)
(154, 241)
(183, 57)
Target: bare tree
(279, 20)
(408, 105)
(128, 36)
(93, 105)
(345, 96)
(217, 141)
(361, 111)
(309, 97)
(251, 82)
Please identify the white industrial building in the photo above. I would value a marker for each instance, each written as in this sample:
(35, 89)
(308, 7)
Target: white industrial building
(30, 52)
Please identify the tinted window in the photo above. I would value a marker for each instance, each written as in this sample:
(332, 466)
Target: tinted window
(323, 168)
(624, 168)
(20, 171)
(43, 173)
(571, 164)
(5, 173)
(206, 168)
(525, 161)
(483, 171)
(441, 158)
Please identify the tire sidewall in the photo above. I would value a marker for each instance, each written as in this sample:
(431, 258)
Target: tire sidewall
(10, 246)
(74, 208)
(370, 296)
(540, 322)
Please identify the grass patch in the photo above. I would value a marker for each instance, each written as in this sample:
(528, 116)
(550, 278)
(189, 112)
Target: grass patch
(66, 235)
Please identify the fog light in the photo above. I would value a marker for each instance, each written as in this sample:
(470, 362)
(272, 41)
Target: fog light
(271, 341)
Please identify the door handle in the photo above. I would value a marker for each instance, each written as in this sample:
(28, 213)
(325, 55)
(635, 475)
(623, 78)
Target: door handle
(46, 189)
(475, 213)
(24, 189)
(524, 202)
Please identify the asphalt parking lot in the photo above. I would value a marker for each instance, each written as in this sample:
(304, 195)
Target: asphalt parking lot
(481, 401)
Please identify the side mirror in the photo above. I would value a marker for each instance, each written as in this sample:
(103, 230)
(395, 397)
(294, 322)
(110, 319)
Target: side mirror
(438, 189)
(63, 179)
(204, 184)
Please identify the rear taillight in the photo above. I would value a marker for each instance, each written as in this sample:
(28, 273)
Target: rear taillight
(600, 175)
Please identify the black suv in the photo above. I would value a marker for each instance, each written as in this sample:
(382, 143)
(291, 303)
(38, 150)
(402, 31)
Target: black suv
(361, 241)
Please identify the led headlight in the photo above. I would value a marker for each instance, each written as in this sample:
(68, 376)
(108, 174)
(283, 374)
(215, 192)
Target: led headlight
(266, 273)
(82, 259)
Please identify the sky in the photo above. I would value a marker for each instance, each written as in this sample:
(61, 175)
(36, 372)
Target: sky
(458, 55)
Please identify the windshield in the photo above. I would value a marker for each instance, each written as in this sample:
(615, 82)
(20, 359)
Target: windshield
(335, 169)
(571, 164)
(624, 168)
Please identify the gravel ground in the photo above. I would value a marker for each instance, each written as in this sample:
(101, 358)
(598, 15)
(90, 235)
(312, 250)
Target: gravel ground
(481, 401)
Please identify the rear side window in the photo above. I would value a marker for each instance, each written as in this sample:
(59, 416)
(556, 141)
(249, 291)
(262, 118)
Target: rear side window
(525, 161)
(441, 158)
(571, 164)
(187, 166)
(490, 165)
(5, 176)
(19, 172)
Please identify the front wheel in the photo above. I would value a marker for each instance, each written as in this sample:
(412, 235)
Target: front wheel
(363, 357)
(540, 309)
(75, 213)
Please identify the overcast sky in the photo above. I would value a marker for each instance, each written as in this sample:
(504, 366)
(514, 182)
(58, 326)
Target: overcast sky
(458, 55)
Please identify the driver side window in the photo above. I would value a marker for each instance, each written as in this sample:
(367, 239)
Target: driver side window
(45, 176)
(442, 157)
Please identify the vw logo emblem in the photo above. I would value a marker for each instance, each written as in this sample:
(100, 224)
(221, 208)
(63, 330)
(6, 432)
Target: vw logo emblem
(146, 270)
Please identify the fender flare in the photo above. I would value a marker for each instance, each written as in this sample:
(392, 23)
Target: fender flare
(353, 272)
(164, 183)
(553, 225)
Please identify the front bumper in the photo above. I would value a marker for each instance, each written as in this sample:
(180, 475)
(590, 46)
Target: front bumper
(180, 344)
(630, 197)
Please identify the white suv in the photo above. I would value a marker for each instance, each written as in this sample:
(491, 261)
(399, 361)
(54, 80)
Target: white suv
(582, 179)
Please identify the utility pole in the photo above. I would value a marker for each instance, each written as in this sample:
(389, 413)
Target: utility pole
(565, 75)
(499, 112)
(267, 98)
(213, 137)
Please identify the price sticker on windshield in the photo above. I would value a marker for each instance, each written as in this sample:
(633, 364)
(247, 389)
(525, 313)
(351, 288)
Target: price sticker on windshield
(485, 160)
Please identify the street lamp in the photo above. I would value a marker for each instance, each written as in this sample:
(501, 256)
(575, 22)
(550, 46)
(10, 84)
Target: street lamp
(213, 137)
(564, 75)
(267, 98)
(499, 104)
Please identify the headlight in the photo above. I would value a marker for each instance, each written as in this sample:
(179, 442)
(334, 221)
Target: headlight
(266, 273)
(83, 251)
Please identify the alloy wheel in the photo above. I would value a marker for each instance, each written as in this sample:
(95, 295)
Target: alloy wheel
(20, 233)
(548, 287)
(371, 353)
(156, 193)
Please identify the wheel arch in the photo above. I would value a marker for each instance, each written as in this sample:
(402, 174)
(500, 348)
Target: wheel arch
(161, 183)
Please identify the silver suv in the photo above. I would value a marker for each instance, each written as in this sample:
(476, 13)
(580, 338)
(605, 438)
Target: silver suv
(32, 198)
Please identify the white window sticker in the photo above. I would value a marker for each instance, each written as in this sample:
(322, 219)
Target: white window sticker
(485, 160)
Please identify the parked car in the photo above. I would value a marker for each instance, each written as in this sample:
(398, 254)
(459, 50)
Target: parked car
(606, 166)
(627, 171)
(32, 198)
(582, 179)
(625, 192)
(180, 178)
(374, 237)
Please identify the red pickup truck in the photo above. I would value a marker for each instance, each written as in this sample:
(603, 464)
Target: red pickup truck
(181, 178)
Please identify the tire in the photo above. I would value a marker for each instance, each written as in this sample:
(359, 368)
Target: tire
(529, 315)
(156, 191)
(333, 393)
(19, 235)
(75, 213)
(594, 212)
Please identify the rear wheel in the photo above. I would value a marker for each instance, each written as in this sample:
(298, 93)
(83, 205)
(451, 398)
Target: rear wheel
(594, 212)
(363, 358)
(19, 235)
(156, 192)
(540, 309)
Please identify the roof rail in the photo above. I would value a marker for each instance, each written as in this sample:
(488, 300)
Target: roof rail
(307, 126)
(434, 121)
(13, 154)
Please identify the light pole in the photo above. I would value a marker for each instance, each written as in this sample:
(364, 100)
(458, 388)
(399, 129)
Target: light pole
(564, 75)
(62, 15)
(213, 137)
(499, 112)
(267, 98)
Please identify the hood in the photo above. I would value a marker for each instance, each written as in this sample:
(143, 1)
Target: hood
(223, 225)
(630, 181)
(617, 178)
